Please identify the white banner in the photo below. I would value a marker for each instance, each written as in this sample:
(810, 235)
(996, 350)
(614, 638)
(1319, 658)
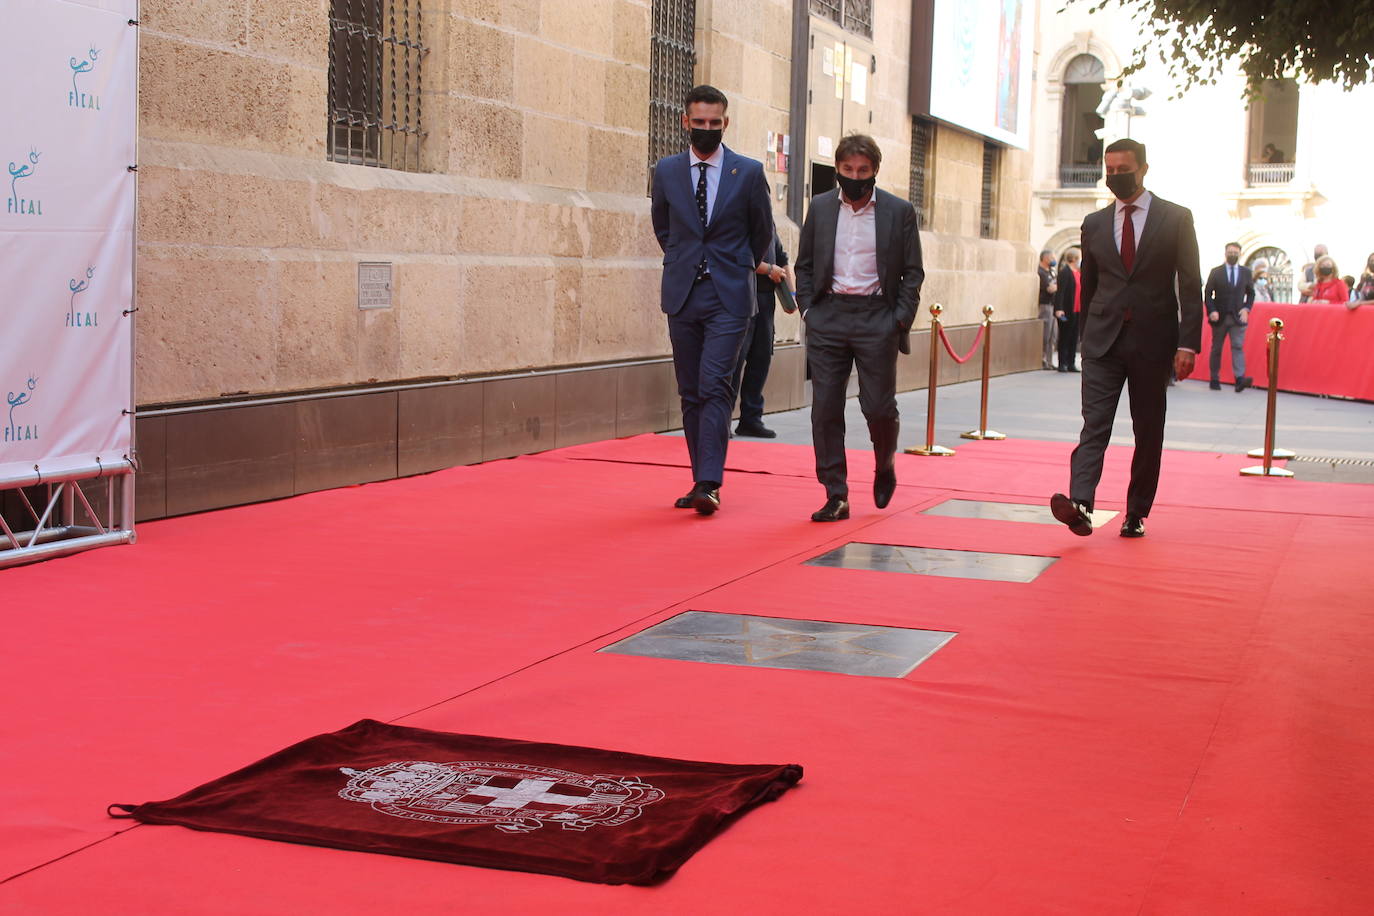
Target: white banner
(68, 125)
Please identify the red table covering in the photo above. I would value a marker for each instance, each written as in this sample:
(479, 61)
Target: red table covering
(1326, 349)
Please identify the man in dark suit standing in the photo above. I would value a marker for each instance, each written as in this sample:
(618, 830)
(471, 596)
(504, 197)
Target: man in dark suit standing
(1142, 317)
(859, 278)
(757, 355)
(1229, 294)
(1068, 305)
(713, 220)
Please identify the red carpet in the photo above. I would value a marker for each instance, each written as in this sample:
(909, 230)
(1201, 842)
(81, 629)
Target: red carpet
(1174, 725)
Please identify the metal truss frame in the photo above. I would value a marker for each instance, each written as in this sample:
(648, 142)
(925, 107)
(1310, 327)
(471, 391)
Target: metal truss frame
(68, 523)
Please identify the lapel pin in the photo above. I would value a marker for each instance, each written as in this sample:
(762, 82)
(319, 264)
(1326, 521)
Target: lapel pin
(734, 171)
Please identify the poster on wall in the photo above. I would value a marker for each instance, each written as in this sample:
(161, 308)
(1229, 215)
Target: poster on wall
(980, 74)
(67, 235)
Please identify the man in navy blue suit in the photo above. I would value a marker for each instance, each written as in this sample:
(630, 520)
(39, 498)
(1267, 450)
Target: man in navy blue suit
(1229, 293)
(714, 222)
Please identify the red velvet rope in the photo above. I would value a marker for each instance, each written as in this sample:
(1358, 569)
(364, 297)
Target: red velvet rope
(972, 350)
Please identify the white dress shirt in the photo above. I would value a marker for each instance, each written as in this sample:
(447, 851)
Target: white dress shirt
(1142, 207)
(712, 176)
(856, 249)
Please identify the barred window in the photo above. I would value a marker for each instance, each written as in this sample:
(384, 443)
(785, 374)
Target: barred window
(375, 50)
(987, 223)
(922, 188)
(854, 15)
(672, 64)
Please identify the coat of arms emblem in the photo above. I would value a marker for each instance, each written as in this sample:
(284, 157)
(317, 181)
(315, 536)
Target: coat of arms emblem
(514, 798)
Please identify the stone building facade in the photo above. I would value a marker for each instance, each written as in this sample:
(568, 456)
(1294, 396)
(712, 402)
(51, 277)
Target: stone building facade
(521, 307)
(1207, 149)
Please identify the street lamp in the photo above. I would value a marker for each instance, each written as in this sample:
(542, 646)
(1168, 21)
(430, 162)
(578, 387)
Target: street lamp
(1122, 100)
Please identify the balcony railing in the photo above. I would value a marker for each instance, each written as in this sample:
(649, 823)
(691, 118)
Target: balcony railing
(1078, 175)
(1265, 173)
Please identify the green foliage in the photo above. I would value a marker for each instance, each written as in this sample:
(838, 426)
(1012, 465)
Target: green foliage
(1313, 40)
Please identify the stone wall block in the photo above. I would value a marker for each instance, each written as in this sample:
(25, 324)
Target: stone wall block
(316, 328)
(207, 327)
(429, 319)
(224, 23)
(631, 26)
(486, 140)
(617, 162)
(508, 317)
(555, 152)
(197, 94)
(627, 97)
(478, 59)
(546, 80)
(588, 25)
(296, 30)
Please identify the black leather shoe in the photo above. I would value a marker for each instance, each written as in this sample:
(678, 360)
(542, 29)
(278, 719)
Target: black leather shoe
(1133, 527)
(705, 500)
(685, 502)
(884, 485)
(1215, 385)
(1244, 382)
(756, 430)
(834, 510)
(1074, 514)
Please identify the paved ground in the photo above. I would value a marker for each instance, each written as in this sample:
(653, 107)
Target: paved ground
(1334, 438)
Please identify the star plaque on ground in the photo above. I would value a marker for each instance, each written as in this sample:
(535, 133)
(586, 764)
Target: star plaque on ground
(935, 561)
(774, 642)
(1035, 513)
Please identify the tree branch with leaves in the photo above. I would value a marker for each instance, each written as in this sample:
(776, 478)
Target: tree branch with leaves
(1317, 41)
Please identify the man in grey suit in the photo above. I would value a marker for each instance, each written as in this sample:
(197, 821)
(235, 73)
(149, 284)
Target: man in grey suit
(1142, 317)
(859, 278)
(1229, 293)
(713, 220)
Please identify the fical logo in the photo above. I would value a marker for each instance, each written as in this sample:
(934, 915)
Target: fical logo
(76, 98)
(16, 204)
(14, 432)
(76, 319)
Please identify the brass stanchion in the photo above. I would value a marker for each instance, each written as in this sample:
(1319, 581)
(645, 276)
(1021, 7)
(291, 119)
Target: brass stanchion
(982, 432)
(1268, 453)
(930, 448)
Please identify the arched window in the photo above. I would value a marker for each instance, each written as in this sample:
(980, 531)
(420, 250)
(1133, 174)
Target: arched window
(1279, 271)
(1080, 149)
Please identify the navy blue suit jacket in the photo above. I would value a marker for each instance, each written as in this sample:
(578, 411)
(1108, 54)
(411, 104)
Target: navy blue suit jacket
(733, 244)
(1221, 297)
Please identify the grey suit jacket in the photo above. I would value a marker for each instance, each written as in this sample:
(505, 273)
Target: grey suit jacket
(899, 256)
(1162, 292)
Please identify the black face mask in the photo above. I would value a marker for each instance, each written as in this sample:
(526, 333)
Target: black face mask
(1232, 259)
(856, 189)
(1325, 271)
(706, 141)
(1122, 184)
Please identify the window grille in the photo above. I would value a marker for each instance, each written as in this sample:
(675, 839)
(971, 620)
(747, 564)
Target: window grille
(375, 50)
(1280, 272)
(922, 187)
(854, 15)
(987, 223)
(858, 17)
(672, 65)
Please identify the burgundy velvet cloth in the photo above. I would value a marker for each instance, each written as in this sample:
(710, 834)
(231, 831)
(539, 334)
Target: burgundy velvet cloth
(583, 813)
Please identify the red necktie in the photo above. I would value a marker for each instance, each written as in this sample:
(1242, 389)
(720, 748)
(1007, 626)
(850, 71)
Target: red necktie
(1127, 237)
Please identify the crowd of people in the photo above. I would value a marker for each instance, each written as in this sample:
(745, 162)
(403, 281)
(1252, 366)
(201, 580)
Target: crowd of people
(1322, 282)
